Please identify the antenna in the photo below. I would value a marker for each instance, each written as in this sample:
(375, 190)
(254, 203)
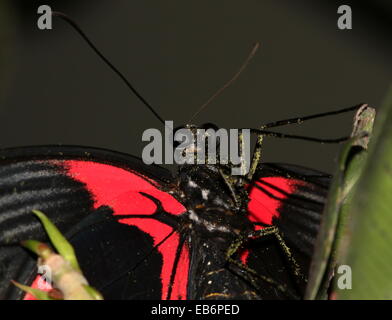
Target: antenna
(230, 82)
(299, 120)
(274, 134)
(107, 62)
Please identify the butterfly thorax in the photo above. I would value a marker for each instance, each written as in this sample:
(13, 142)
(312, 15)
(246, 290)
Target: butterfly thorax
(209, 202)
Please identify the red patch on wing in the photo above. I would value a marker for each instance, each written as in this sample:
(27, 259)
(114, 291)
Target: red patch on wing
(38, 283)
(244, 256)
(168, 250)
(181, 276)
(120, 189)
(264, 206)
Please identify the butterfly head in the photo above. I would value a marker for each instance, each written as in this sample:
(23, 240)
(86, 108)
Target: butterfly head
(193, 143)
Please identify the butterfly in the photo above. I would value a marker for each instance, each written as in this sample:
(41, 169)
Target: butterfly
(140, 232)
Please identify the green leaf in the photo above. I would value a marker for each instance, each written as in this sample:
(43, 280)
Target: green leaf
(351, 163)
(40, 249)
(96, 295)
(61, 244)
(38, 294)
(366, 245)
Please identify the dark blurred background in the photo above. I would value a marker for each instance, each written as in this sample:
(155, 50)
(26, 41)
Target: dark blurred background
(53, 89)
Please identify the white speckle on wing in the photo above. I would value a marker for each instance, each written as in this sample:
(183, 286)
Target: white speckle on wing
(204, 194)
(213, 227)
(210, 226)
(192, 184)
(218, 201)
(193, 216)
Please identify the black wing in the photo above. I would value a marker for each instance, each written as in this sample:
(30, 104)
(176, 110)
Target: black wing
(51, 179)
(291, 198)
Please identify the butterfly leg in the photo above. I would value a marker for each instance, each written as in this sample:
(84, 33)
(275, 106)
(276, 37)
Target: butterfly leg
(239, 195)
(294, 266)
(268, 231)
(236, 246)
(257, 151)
(230, 182)
(256, 158)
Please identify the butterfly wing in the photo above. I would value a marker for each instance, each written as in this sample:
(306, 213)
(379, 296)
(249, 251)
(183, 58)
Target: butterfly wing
(115, 210)
(292, 199)
(120, 217)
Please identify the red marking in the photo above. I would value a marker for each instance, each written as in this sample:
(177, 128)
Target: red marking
(244, 256)
(262, 207)
(38, 283)
(181, 276)
(120, 189)
(168, 249)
